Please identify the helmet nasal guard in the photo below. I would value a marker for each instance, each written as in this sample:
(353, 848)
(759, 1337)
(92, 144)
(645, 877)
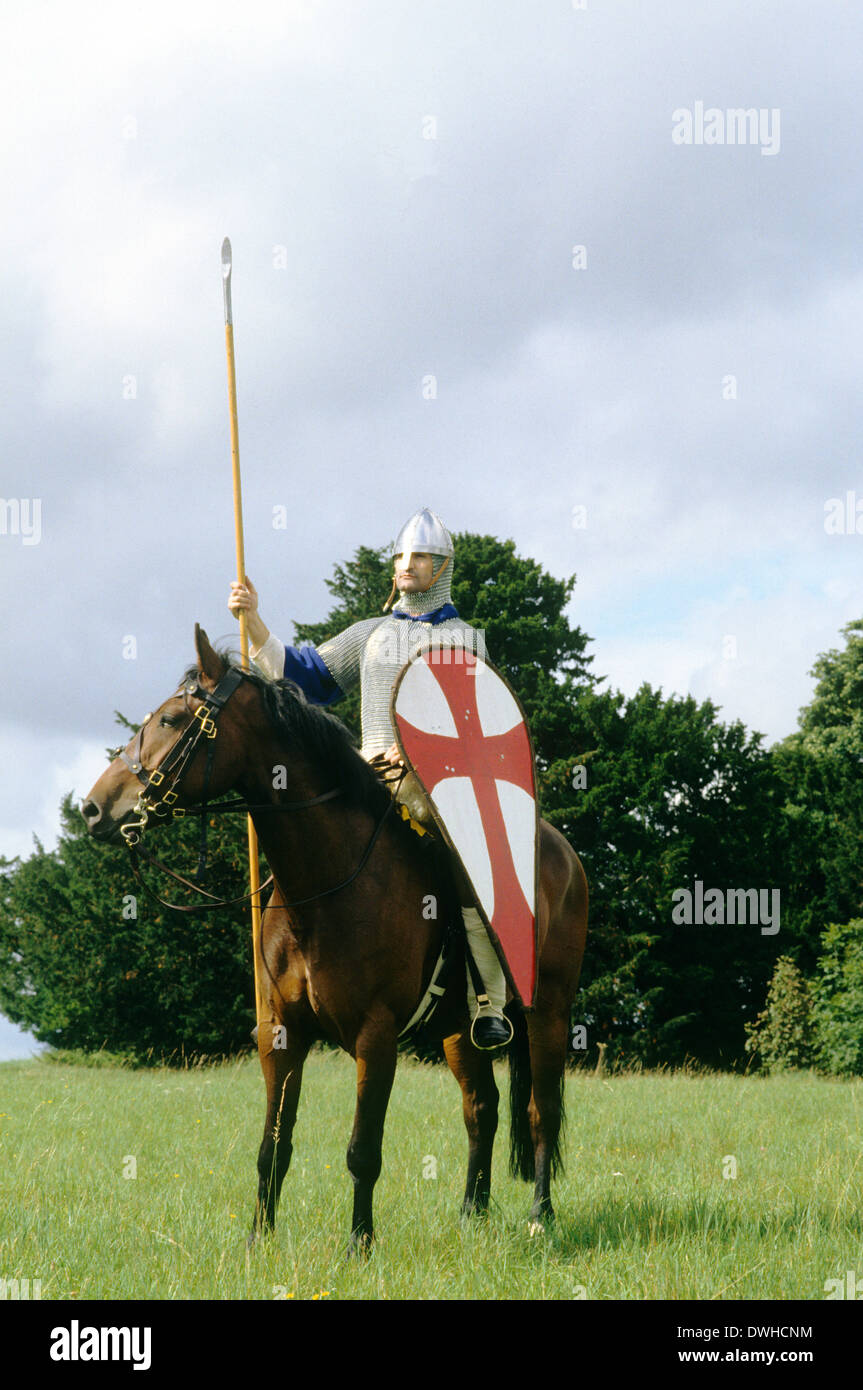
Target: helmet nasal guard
(423, 534)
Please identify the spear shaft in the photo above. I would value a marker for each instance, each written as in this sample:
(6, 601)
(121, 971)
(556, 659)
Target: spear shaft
(254, 866)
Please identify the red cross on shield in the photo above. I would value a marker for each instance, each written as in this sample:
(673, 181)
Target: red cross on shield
(463, 733)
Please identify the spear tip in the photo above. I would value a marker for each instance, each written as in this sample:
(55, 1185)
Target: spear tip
(226, 280)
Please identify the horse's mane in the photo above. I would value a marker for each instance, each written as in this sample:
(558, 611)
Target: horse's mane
(317, 733)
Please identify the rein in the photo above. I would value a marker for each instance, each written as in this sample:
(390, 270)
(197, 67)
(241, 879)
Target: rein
(217, 903)
(176, 762)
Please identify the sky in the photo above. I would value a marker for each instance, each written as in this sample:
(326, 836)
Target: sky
(515, 262)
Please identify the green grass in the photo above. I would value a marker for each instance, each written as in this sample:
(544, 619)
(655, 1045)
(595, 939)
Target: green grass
(644, 1211)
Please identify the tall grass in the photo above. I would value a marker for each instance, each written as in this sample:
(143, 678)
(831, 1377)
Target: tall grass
(649, 1206)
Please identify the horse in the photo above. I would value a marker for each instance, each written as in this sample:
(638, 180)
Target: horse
(348, 944)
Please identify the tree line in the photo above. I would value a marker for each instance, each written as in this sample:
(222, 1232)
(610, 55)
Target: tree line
(726, 877)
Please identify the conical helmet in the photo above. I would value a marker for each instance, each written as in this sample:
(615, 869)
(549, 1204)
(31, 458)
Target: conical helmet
(423, 534)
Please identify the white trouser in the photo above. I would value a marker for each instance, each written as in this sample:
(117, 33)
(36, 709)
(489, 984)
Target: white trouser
(487, 964)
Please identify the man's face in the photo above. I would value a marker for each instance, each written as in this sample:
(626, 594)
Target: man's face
(415, 576)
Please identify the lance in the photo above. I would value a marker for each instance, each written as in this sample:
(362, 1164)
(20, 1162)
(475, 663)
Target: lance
(254, 867)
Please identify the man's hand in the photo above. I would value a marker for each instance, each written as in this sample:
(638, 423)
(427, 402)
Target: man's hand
(393, 755)
(243, 598)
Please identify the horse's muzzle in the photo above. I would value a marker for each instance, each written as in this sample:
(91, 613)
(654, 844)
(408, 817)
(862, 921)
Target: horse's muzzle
(101, 827)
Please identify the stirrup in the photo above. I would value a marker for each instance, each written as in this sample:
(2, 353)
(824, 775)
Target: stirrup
(487, 1011)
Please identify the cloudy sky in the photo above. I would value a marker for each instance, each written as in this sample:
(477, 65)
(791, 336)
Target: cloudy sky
(510, 260)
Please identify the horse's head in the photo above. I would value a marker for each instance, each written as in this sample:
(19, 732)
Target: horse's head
(175, 759)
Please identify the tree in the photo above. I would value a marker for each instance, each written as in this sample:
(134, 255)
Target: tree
(656, 794)
(782, 1034)
(87, 961)
(821, 771)
(838, 992)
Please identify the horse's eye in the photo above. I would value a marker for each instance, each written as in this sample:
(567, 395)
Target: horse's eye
(166, 722)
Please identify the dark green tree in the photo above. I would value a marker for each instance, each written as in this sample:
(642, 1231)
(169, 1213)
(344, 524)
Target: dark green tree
(88, 961)
(821, 771)
(656, 793)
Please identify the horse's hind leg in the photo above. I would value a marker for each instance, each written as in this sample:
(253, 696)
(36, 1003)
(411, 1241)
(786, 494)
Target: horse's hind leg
(282, 1055)
(548, 1038)
(375, 1053)
(474, 1073)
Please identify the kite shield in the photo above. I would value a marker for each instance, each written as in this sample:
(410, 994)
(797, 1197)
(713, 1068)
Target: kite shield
(462, 732)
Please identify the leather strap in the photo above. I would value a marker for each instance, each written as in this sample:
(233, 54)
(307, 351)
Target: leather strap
(217, 903)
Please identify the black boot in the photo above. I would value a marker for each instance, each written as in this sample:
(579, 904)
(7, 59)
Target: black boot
(490, 1031)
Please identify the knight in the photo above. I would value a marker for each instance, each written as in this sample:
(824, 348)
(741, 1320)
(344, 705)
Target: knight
(370, 654)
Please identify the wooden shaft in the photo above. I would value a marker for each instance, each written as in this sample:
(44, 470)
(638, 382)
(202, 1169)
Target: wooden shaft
(254, 862)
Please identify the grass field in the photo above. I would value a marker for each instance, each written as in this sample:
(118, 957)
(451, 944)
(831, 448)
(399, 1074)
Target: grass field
(644, 1211)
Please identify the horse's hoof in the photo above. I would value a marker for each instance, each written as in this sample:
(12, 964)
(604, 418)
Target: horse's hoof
(359, 1246)
(256, 1235)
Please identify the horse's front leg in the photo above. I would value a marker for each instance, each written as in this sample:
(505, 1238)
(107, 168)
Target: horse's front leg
(376, 1063)
(282, 1053)
(473, 1071)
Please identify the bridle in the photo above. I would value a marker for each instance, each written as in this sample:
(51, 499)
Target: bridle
(178, 757)
(174, 765)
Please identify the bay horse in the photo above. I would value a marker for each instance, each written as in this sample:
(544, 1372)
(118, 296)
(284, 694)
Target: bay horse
(348, 944)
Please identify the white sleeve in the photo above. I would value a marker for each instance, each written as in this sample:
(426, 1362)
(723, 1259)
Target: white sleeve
(270, 658)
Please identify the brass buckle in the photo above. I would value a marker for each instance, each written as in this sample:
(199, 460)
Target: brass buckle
(179, 812)
(156, 778)
(169, 798)
(207, 725)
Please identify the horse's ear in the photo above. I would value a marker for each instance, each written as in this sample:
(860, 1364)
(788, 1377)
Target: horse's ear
(210, 664)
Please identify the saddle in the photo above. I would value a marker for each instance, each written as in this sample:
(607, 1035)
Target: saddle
(403, 785)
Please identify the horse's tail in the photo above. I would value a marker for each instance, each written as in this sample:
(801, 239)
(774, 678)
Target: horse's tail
(521, 1161)
(521, 1154)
